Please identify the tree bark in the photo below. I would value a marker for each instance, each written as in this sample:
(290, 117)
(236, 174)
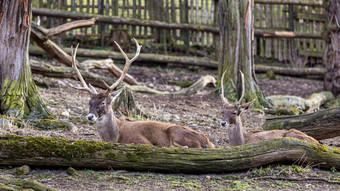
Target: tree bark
(18, 93)
(331, 57)
(320, 125)
(236, 50)
(56, 152)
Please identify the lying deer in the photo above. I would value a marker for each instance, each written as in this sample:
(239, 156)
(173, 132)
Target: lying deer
(238, 136)
(112, 129)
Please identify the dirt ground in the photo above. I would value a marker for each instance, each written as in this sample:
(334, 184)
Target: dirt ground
(200, 112)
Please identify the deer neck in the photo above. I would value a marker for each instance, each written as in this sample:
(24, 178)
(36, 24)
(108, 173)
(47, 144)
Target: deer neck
(237, 135)
(109, 127)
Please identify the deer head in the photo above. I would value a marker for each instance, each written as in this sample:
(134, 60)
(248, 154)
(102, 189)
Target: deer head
(231, 112)
(101, 103)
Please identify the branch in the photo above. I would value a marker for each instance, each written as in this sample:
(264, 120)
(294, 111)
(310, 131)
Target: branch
(110, 66)
(296, 179)
(70, 26)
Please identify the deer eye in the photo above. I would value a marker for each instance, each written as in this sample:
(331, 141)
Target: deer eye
(103, 103)
(235, 112)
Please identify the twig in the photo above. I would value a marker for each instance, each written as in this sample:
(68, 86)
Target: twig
(297, 179)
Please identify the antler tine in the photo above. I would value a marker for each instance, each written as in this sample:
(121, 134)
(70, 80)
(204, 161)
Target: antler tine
(91, 90)
(127, 64)
(224, 100)
(243, 87)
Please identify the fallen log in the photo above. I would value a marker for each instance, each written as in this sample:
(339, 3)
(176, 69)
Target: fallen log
(8, 184)
(320, 125)
(285, 34)
(311, 104)
(143, 57)
(57, 152)
(96, 80)
(298, 72)
(290, 2)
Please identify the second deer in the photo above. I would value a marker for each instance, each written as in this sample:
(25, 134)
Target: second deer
(112, 129)
(237, 135)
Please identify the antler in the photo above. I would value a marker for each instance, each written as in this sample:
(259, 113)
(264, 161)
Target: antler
(89, 88)
(127, 65)
(243, 87)
(224, 100)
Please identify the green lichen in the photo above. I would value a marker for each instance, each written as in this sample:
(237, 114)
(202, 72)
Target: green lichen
(320, 148)
(23, 170)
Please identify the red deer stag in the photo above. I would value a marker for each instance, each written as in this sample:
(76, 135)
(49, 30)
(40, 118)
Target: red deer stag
(112, 129)
(238, 136)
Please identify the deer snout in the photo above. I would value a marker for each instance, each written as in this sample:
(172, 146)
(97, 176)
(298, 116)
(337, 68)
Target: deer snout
(91, 117)
(224, 123)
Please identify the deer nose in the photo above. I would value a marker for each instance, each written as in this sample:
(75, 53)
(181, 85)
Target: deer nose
(91, 117)
(224, 124)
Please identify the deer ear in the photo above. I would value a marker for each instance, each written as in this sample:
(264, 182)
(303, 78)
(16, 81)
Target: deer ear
(247, 105)
(114, 95)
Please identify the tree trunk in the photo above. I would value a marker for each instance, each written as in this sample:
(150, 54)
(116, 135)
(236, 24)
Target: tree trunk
(320, 125)
(19, 96)
(331, 57)
(56, 152)
(236, 49)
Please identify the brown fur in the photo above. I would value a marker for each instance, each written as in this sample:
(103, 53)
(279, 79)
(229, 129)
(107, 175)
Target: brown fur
(239, 136)
(112, 129)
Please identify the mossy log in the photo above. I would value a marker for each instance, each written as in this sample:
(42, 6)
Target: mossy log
(312, 103)
(320, 125)
(57, 152)
(11, 184)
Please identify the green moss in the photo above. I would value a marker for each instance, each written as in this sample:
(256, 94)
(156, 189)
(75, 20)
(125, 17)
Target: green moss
(271, 75)
(320, 148)
(51, 147)
(71, 171)
(48, 124)
(23, 170)
(333, 103)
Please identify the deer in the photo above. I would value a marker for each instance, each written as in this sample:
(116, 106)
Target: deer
(231, 119)
(118, 130)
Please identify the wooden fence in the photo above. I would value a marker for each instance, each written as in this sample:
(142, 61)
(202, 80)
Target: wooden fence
(307, 20)
(269, 17)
